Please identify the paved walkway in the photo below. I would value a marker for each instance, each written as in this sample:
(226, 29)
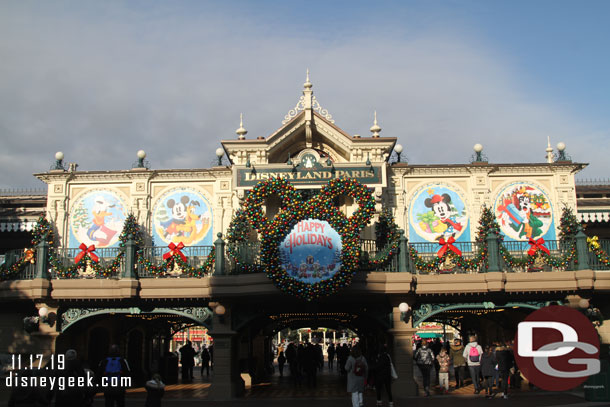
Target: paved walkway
(330, 392)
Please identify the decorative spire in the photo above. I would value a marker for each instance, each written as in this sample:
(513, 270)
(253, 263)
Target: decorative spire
(307, 84)
(375, 129)
(307, 102)
(241, 132)
(549, 151)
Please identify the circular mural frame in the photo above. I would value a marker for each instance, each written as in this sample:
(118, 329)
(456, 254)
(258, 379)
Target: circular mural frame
(182, 214)
(512, 208)
(97, 217)
(438, 210)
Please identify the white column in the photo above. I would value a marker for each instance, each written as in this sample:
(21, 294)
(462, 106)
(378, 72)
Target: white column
(334, 336)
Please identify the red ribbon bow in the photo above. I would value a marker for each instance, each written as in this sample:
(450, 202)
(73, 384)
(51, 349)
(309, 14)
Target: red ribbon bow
(86, 251)
(174, 250)
(447, 245)
(536, 245)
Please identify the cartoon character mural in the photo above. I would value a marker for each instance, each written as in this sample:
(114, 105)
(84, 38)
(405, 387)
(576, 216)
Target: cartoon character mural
(524, 211)
(96, 218)
(437, 211)
(182, 215)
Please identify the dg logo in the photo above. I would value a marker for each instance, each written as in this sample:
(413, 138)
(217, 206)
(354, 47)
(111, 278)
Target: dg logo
(557, 348)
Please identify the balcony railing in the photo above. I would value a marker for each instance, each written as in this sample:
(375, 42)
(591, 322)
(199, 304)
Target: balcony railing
(65, 265)
(243, 258)
(196, 257)
(428, 255)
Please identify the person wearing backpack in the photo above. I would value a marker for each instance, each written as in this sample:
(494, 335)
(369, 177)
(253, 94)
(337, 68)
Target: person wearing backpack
(424, 359)
(357, 369)
(155, 389)
(113, 368)
(472, 354)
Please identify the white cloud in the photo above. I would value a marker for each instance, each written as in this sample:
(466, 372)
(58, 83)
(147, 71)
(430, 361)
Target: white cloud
(100, 87)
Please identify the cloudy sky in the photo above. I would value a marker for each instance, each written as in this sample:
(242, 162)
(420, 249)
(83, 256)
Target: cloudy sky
(100, 80)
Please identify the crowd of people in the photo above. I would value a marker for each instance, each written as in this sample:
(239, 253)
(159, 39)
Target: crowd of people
(360, 367)
(490, 367)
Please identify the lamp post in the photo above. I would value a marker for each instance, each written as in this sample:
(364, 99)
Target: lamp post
(219, 153)
(561, 148)
(398, 148)
(404, 308)
(59, 161)
(141, 157)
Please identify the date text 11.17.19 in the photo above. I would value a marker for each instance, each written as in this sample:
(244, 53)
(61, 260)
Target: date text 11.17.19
(35, 362)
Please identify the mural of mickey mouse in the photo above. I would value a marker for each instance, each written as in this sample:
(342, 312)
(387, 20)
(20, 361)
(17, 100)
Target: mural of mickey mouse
(440, 206)
(178, 218)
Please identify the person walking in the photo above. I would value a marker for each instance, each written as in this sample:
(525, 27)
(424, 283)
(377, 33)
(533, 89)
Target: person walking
(383, 375)
(281, 360)
(187, 358)
(331, 355)
(71, 396)
(456, 353)
(112, 369)
(488, 369)
(356, 368)
(155, 389)
(505, 359)
(444, 361)
(424, 358)
(205, 361)
(472, 353)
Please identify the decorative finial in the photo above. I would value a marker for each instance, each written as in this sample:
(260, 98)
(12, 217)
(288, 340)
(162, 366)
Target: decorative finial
(307, 84)
(549, 150)
(375, 129)
(561, 152)
(241, 132)
(59, 161)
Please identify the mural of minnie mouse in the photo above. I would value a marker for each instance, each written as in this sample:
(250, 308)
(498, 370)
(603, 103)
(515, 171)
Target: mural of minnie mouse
(440, 206)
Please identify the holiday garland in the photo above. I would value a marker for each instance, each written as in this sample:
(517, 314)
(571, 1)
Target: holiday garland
(487, 225)
(176, 261)
(568, 228)
(293, 210)
(387, 238)
(596, 248)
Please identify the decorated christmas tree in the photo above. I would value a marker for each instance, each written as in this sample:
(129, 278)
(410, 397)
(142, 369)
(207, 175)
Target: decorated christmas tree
(487, 224)
(568, 226)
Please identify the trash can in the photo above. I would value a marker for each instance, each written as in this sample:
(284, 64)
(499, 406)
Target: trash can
(597, 387)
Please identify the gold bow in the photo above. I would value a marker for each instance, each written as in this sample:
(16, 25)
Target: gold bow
(593, 242)
(28, 256)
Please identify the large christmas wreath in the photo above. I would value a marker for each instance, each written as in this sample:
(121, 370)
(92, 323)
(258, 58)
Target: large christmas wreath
(293, 210)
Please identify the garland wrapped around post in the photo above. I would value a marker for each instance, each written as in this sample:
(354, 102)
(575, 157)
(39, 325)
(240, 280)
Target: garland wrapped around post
(596, 248)
(387, 237)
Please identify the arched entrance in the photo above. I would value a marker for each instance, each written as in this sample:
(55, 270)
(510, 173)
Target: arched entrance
(257, 340)
(143, 335)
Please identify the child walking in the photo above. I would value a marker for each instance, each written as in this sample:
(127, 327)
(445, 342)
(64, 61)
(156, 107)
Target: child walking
(443, 376)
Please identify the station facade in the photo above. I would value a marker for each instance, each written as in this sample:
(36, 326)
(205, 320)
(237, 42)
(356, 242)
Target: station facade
(198, 263)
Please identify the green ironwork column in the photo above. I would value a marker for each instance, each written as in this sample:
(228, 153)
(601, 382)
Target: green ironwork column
(42, 258)
(493, 252)
(130, 259)
(403, 253)
(219, 262)
(582, 251)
